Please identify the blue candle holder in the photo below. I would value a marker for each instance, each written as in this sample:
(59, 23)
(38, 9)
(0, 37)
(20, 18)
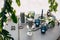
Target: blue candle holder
(37, 22)
(43, 29)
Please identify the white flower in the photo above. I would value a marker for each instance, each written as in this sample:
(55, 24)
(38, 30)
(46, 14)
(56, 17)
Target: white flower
(47, 21)
(51, 18)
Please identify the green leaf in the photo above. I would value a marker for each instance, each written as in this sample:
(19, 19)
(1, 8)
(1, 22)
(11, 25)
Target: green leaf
(49, 1)
(0, 15)
(53, 1)
(18, 2)
(10, 2)
(51, 10)
(1, 26)
(55, 7)
(14, 17)
(5, 32)
(5, 18)
(1, 38)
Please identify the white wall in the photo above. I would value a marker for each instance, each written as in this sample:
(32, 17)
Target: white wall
(32, 5)
(35, 5)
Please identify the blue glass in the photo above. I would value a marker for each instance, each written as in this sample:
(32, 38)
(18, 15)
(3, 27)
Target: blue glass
(43, 29)
(37, 22)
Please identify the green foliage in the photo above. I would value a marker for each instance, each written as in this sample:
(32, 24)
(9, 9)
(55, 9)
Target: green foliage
(53, 5)
(1, 38)
(52, 23)
(30, 14)
(18, 2)
(7, 9)
(13, 17)
(4, 35)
